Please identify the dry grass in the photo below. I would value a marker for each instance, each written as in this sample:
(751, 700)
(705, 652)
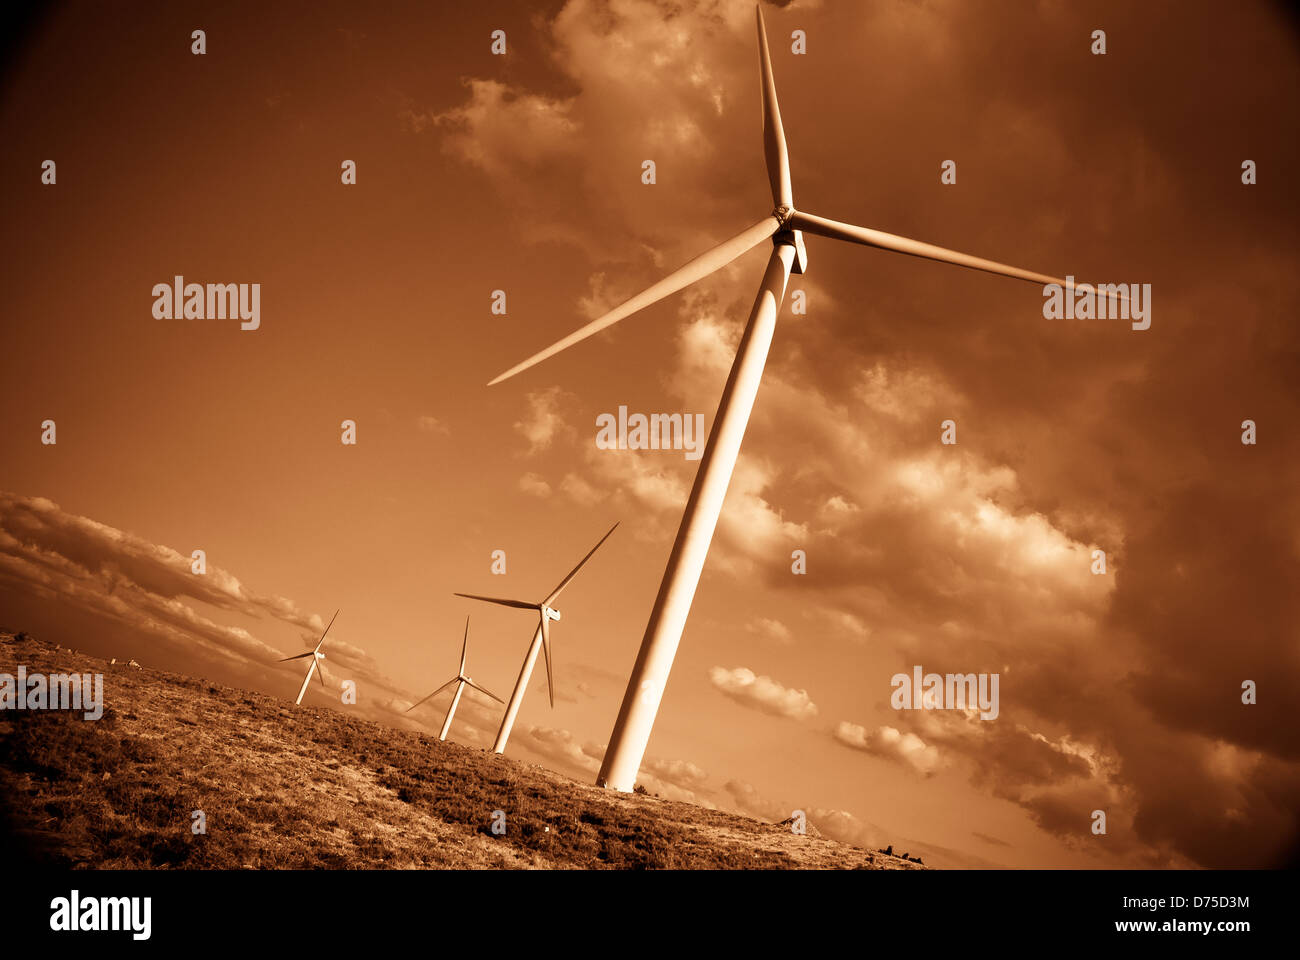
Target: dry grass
(300, 787)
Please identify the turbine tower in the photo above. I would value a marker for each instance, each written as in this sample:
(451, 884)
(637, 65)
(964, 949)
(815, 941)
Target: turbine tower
(541, 641)
(784, 226)
(461, 681)
(315, 665)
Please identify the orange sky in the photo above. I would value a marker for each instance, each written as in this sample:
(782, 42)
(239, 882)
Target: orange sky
(523, 173)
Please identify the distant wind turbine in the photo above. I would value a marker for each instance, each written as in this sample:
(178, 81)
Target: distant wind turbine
(461, 681)
(316, 658)
(541, 641)
(785, 226)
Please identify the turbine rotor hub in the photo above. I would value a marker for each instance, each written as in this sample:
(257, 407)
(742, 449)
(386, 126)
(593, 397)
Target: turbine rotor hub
(783, 213)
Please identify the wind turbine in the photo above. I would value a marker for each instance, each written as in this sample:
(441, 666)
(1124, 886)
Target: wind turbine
(784, 226)
(460, 680)
(315, 665)
(541, 641)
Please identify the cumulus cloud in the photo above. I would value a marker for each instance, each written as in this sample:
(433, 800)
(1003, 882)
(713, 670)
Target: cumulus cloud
(762, 693)
(835, 824)
(487, 129)
(745, 798)
(543, 421)
(671, 779)
(560, 746)
(681, 773)
(888, 742)
(579, 490)
(534, 485)
(770, 629)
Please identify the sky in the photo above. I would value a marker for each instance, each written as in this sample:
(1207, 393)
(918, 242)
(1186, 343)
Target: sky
(1119, 691)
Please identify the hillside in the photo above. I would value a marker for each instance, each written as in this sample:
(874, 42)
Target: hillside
(300, 787)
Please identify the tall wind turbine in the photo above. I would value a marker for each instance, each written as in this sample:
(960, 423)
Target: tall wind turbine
(315, 665)
(461, 681)
(785, 226)
(541, 641)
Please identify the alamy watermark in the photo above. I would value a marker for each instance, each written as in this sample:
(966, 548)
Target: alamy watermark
(658, 431)
(58, 691)
(950, 691)
(1103, 301)
(209, 301)
(77, 913)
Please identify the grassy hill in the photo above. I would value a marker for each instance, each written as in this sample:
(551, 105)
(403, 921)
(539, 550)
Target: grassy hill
(299, 787)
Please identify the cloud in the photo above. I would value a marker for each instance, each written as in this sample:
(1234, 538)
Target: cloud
(671, 779)
(561, 746)
(839, 825)
(747, 800)
(846, 828)
(432, 425)
(579, 490)
(488, 128)
(38, 534)
(543, 421)
(534, 485)
(762, 693)
(140, 599)
(771, 630)
(888, 742)
(681, 773)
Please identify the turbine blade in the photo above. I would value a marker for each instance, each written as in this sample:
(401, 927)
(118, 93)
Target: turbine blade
(414, 705)
(546, 647)
(449, 683)
(327, 628)
(434, 694)
(488, 692)
(703, 265)
(464, 648)
(309, 653)
(555, 594)
(774, 148)
(915, 248)
(521, 604)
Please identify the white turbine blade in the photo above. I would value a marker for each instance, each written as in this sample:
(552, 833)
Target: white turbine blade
(414, 705)
(327, 628)
(521, 604)
(481, 690)
(432, 695)
(546, 648)
(774, 147)
(700, 267)
(309, 653)
(888, 241)
(555, 594)
(464, 648)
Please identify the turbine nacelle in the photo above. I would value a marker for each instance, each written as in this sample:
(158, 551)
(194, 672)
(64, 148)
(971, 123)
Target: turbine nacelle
(550, 613)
